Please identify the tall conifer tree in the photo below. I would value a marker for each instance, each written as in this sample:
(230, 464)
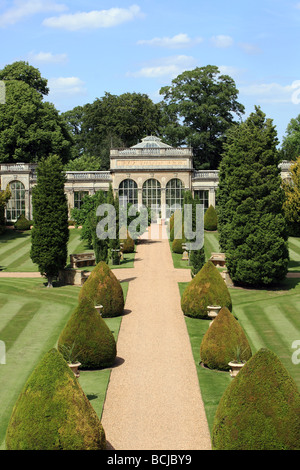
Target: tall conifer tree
(252, 227)
(50, 233)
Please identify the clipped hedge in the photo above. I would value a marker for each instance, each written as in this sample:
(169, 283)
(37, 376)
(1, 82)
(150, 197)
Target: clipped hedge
(224, 339)
(89, 337)
(103, 288)
(177, 245)
(53, 413)
(206, 288)
(260, 409)
(22, 223)
(211, 219)
(128, 244)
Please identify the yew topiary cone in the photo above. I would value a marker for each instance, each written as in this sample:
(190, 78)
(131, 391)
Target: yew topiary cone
(53, 413)
(211, 219)
(260, 409)
(206, 288)
(89, 337)
(128, 244)
(224, 339)
(103, 288)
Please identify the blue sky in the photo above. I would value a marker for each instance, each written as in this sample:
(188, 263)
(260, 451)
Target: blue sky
(87, 48)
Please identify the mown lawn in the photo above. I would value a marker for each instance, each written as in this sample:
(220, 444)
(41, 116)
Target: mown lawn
(15, 251)
(270, 319)
(31, 320)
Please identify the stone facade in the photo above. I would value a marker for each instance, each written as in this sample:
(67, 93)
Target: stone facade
(149, 172)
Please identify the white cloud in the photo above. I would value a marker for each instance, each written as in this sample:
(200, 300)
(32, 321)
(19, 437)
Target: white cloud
(274, 92)
(93, 19)
(222, 41)
(169, 66)
(66, 86)
(25, 8)
(179, 40)
(47, 58)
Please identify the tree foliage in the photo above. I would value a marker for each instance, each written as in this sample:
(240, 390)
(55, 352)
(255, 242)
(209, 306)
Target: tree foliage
(26, 73)
(50, 233)
(250, 198)
(30, 129)
(205, 102)
(290, 149)
(112, 121)
(291, 204)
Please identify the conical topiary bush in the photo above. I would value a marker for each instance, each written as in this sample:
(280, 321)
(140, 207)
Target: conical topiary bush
(53, 413)
(128, 244)
(87, 334)
(103, 288)
(211, 219)
(260, 409)
(224, 339)
(206, 288)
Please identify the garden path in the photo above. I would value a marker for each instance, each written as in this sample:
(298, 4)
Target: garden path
(153, 400)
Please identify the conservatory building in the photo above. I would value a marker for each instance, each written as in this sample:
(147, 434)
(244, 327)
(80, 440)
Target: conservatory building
(150, 173)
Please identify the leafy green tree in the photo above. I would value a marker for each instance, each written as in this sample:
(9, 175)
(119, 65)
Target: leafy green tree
(84, 163)
(116, 121)
(26, 73)
(205, 102)
(29, 128)
(250, 218)
(50, 233)
(290, 149)
(291, 204)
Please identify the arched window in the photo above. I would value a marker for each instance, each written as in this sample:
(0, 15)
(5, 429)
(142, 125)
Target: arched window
(152, 194)
(16, 204)
(128, 192)
(174, 195)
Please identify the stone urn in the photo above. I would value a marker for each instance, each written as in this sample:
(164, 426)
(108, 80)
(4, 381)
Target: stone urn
(212, 311)
(235, 368)
(99, 308)
(74, 368)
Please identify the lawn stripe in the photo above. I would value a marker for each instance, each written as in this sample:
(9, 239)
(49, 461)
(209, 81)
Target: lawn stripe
(13, 249)
(12, 260)
(10, 333)
(294, 256)
(36, 338)
(295, 241)
(8, 309)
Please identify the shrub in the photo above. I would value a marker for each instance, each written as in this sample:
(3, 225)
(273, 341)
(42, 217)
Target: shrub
(211, 219)
(222, 341)
(87, 333)
(53, 413)
(22, 223)
(206, 288)
(177, 245)
(104, 289)
(197, 260)
(128, 244)
(259, 410)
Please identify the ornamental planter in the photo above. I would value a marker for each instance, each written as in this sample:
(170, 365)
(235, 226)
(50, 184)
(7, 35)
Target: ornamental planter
(235, 368)
(212, 311)
(74, 368)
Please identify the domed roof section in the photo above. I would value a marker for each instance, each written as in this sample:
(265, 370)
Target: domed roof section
(150, 142)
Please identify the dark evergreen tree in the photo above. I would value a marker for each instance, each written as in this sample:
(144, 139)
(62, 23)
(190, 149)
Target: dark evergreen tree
(250, 220)
(50, 233)
(196, 257)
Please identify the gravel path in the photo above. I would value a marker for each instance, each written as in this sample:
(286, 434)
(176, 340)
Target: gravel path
(153, 400)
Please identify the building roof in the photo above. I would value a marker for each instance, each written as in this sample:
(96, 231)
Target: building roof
(150, 142)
